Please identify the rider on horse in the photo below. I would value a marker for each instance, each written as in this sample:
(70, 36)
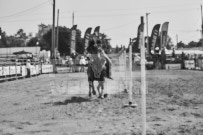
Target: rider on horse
(96, 47)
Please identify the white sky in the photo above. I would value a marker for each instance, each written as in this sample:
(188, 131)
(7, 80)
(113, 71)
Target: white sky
(119, 19)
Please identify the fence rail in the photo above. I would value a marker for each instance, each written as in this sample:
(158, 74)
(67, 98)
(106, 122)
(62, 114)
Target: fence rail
(16, 72)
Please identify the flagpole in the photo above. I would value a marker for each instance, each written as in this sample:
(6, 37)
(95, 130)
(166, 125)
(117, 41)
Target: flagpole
(202, 26)
(53, 39)
(73, 19)
(148, 49)
(143, 79)
(57, 30)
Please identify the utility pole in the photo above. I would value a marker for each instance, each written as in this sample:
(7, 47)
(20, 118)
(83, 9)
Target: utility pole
(57, 30)
(73, 19)
(53, 39)
(202, 27)
(176, 38)
(202, 21)
(177, 41)
(0, 32)
(147, 35)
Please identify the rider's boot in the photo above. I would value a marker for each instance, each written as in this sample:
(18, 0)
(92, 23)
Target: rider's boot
(108, 71)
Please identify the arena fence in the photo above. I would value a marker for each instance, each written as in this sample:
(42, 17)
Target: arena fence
(14, 71)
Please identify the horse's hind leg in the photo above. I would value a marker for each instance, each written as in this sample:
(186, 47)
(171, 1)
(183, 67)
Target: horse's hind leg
(90, 87)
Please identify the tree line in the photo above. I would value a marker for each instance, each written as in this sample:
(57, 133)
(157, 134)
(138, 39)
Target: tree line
(44, 40)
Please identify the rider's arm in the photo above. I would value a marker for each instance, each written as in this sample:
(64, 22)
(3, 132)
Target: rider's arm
(106, 56)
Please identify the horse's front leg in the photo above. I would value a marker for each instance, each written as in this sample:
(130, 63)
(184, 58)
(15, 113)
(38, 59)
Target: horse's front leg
(101, 85)
(91, 88)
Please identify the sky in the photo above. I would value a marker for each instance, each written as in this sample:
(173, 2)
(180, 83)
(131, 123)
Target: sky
(118, 19)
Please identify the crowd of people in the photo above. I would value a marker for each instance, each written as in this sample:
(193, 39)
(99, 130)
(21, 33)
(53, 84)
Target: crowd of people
(76, 63)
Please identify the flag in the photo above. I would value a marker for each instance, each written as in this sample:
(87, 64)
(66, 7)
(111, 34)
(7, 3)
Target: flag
(87, 37)
(153, 39)
(96, 33)
(73, 39)
(140, 34)
(164, 35)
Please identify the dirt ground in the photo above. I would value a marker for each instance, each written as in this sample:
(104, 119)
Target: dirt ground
(33, 106)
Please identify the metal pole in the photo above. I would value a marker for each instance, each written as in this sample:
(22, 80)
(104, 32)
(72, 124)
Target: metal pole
(57, 30)
(130, 104)
(147, 34)
(53, 39)
(202, 27)
(130, 71)
(143, 80)
(125, 68)
(73, 19)
(177, 40)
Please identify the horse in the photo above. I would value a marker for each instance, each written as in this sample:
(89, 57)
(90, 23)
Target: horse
(96, 70)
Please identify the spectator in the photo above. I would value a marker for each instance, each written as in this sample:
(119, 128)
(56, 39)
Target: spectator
(28, 66)
(70, 65)
(82, 64)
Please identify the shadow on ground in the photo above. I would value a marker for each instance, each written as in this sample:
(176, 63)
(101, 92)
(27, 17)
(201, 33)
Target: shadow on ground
(72, 100)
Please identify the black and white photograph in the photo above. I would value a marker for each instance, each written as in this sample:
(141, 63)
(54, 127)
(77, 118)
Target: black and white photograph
(101, 67)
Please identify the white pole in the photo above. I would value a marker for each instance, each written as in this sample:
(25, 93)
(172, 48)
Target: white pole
(125, 68)
(130, 72)
(143, 80)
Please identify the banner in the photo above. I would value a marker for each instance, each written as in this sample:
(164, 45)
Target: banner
(23, 71)
(164, 35)
(18, 68)
(140, 33)
(96, 34)
(73, 39)
(1, 71)
(87, 37)
(6, 70)
(153, 39)
(12, 70)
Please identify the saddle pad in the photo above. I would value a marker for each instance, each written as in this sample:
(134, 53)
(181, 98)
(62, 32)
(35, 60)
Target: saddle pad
(97, 64)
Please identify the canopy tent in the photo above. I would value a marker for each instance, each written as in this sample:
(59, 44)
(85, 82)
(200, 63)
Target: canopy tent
(21, 52)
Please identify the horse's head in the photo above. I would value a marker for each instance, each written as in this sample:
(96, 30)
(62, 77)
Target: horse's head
(94, 47)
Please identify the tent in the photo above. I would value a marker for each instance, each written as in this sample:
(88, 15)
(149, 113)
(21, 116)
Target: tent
(21, 52)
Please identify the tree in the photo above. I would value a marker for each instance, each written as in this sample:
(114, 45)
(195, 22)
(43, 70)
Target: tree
(3, 40)
(80, 48)
(64, 40)
(180, 45)
(106, 43)
(192, 44)
(33, 41)
(21, 34)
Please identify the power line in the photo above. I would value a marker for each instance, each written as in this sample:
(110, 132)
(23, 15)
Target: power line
(24, 11)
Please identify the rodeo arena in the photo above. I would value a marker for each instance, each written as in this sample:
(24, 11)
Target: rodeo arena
(154, 91)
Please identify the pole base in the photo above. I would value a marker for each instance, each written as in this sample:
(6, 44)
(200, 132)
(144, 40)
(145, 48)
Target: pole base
(130, 104)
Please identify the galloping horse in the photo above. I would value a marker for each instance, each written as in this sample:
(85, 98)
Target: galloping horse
(96, 68)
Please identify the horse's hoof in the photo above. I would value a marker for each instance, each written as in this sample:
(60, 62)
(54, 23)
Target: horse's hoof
(100, 96)
(90, 95)
(105, 95)
(94, 92)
